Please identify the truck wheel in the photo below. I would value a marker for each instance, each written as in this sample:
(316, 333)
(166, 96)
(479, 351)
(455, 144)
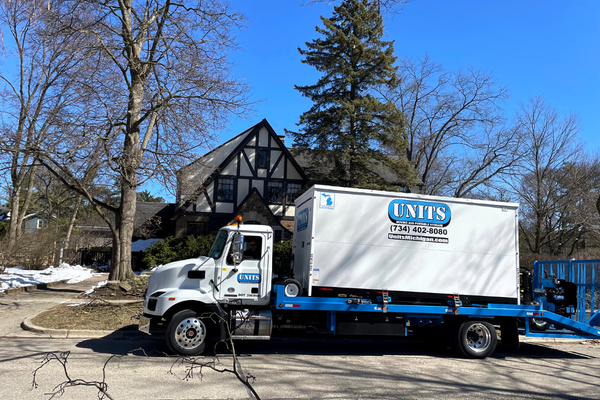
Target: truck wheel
(476, 339)
(538, 324)
(292, 288)
(188, 333)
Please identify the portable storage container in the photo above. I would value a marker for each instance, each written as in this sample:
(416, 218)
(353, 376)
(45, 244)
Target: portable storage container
(407, 243)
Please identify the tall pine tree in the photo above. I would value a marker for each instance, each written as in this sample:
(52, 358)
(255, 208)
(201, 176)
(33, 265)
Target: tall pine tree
(353, 137)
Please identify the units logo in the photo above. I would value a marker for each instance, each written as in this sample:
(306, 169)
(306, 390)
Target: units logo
(419, 212)
(248, 278)
(302, 220)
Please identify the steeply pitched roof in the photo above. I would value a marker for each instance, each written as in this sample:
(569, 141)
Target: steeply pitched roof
(153, 220)
(146, 210)
(201, 172)
(255, 202)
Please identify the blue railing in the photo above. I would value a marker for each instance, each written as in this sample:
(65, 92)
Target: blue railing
(585, 274)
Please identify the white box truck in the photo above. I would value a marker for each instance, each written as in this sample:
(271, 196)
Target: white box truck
(418, 247)
(365, 263)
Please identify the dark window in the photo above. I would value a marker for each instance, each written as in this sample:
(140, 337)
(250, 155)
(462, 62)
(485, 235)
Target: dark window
(293, 190)
(216, 251)
(277, 236)
(196, 228)
(252, 249)
(225, 190)
(263, 159)
(274, 192)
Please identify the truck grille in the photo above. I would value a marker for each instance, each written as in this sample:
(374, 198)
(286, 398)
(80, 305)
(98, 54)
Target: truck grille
(152, 304)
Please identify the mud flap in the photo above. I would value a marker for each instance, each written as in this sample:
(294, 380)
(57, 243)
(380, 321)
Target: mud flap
(509, 333)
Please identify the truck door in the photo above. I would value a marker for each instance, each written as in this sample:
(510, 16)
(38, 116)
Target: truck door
(248, 282)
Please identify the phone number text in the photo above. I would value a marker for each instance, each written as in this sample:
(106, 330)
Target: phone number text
(418, 229)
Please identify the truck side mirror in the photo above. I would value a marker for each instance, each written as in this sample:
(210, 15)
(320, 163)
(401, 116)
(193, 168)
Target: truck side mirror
(238, 246)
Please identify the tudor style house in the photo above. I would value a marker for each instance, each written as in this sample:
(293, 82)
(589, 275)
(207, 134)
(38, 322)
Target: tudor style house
(252, 175)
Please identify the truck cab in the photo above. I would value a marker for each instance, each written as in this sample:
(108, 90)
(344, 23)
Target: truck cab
(199, 297)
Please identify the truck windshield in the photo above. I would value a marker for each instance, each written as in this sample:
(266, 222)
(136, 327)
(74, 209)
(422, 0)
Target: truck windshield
(217, 248)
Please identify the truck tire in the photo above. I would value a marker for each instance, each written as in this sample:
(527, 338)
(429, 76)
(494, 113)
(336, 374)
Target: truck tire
(292, 288)
(476, 339)
(538, 324)
(188, 333)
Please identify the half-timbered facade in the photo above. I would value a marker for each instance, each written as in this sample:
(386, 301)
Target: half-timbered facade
(253, 174)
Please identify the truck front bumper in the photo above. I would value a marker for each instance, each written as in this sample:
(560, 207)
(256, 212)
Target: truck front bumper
(144, 324)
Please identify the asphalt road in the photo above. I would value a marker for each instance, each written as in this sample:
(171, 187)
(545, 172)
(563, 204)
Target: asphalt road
(292, 368)
(316, 368)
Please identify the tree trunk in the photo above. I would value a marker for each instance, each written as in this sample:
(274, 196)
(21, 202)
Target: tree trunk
(14, 230)
(124, 218)
(18, 212)
(122, 268)
(72, 223)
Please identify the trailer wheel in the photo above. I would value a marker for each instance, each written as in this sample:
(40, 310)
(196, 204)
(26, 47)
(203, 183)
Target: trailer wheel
(292, 288)
(476, 339)
(188, 333)
(538, 324)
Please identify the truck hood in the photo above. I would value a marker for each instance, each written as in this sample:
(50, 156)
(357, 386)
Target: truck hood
(175, 275)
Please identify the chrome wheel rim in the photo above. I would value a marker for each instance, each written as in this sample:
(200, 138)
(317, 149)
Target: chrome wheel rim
(190, 333)
(479, 338)
(291, 290)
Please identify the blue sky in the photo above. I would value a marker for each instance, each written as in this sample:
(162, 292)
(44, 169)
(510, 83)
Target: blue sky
(549, 48)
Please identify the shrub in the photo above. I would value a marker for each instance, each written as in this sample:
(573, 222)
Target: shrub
(181, 248)
(32, 250)
(3, 228)
(177, 248)
(282, 258)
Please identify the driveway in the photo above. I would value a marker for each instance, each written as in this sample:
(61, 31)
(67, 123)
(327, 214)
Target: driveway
(15, 308)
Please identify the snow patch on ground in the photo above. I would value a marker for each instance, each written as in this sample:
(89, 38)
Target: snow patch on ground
(18, 277)
(77, 304)
(99, 285)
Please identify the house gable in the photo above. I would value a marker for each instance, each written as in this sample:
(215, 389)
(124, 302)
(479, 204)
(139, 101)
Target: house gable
(254, 160)
(254, 210)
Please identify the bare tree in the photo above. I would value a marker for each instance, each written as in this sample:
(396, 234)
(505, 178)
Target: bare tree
(458, 141)
(569, 220)
(161, 87)
(574, 222)
(550, 145)
(34, 93)
(192, 367)
(62, 358)
(58, 205)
